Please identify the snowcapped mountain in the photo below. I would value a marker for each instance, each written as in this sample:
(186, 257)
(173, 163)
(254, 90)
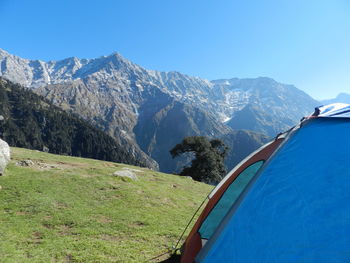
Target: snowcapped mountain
(149, 111)
(263, 105)
(341, 98)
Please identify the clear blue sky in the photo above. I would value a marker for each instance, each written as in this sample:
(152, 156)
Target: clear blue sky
(300, 42)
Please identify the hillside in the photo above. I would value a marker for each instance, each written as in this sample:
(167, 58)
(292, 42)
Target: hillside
(69, 209)
(30, 121)
(264, 105)
(136, 105)
(147, 119)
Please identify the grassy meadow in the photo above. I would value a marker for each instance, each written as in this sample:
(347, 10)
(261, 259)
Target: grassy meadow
(66, 209)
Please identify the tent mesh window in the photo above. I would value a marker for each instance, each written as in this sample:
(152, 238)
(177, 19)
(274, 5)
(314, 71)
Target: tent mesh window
(227, 200)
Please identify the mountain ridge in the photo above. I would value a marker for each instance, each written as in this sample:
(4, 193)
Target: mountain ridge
(30, 121)
(340, 98)
(113, 93)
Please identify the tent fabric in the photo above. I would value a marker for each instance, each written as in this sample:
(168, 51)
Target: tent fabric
(268, 147)
(226, 201)
(298, 208)
(338, 110)
(194, 243)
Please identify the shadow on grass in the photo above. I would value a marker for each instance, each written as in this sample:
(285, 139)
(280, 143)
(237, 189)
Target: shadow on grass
(173, 259)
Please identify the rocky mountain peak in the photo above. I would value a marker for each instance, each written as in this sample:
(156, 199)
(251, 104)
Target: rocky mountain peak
(3, 53)
(143, 107)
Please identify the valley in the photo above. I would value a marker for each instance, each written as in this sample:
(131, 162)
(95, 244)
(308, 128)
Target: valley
(148, 112)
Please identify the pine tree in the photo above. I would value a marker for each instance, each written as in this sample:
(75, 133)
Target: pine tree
(208, 163)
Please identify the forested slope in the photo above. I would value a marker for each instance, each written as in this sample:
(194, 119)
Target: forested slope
(29, 121)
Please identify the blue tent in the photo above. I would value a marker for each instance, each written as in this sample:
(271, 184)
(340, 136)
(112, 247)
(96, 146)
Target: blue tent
(296, 206)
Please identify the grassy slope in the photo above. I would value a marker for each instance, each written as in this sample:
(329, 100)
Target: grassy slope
(74, 210)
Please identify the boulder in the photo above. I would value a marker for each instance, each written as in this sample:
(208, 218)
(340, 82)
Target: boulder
(127, 173)
(4, 155)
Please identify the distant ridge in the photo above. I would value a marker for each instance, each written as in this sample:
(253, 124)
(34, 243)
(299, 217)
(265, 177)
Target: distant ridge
(341, 98)
(150, 111)
(29, 121)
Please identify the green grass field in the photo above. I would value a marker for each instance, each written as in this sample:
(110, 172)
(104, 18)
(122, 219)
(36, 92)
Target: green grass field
(66, 209)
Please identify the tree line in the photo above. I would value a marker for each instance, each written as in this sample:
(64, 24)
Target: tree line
(30, 121)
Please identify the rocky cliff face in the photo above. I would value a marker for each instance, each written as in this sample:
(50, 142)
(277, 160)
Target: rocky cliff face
(267, 106)
(149, 112)
(29, 121)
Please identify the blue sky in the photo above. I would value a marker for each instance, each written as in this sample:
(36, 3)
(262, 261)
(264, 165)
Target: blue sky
(305, 43)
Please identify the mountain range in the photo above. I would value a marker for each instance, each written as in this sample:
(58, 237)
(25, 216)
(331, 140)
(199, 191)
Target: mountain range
(27, 120)
(148, 112)
(341, 98)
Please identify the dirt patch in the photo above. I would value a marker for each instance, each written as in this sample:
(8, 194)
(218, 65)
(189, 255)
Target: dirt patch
(88, 175)
(154, 178)
(64, 165)
(21, 213)
(65, 230)
(138, 224)
(166, 201)
(104, 219)
(110, 238)
(69, 258)
(111, 165)
(48, 226)
(60, 205)
(140, 192)
(37, 237)
(35, 164)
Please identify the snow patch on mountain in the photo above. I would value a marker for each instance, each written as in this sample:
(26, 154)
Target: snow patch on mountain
(117, 95)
